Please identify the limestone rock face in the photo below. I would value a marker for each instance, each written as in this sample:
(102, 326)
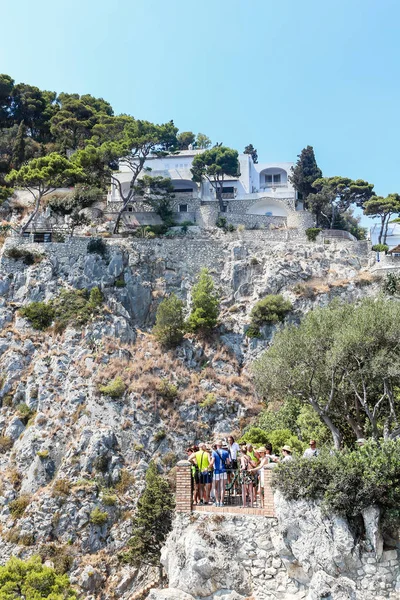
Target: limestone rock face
(78, 450)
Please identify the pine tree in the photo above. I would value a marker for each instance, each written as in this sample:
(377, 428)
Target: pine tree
(18, 153)
(170, 323)
(152, 521)
(252, 151)
(305, 172)
(205, 304)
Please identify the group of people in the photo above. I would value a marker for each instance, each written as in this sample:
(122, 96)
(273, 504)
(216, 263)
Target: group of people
(224, 466)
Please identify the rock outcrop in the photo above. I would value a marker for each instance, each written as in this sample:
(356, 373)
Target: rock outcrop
(67, 449)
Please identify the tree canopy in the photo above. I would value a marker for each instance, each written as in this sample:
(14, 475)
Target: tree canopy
(383, 208)
(344, 361)
(215, 165)
(252, 151)
(340, 193)
(32, 580)
(41, 176)
(305, 172)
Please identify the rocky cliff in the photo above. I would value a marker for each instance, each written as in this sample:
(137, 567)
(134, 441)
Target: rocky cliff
(67, 449)
(300, 555)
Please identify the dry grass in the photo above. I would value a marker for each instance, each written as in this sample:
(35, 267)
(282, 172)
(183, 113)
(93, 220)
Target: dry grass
(144, 367)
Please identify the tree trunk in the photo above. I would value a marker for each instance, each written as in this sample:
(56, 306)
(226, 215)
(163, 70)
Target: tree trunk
(34, 213)
(336, 435)
(386, 228)
(218, 191)
(383, 218)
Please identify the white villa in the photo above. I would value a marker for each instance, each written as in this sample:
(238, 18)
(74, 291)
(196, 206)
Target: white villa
(261, 195)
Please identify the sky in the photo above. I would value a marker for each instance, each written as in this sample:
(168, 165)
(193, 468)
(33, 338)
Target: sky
(280, 75)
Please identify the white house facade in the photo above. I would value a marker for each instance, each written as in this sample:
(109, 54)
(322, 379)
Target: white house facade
(261, 195)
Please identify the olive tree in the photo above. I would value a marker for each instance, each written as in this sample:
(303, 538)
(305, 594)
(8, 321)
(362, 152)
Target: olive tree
(344, 361)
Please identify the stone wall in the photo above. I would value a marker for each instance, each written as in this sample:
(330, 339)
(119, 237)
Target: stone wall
(256, 221)
(301, 555)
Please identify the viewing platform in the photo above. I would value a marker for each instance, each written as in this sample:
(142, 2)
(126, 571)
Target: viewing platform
(233, 500)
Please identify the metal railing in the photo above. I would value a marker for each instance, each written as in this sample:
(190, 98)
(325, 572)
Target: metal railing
(241, 489)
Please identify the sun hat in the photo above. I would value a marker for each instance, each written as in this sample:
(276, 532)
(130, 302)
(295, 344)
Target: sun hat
(262, 449)
(287, 448)
(219, 442)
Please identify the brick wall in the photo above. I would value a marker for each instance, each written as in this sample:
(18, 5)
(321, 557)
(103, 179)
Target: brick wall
(183, 487)
(269, 506)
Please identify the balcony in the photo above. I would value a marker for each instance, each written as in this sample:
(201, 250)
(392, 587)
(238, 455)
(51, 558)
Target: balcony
(273, 185)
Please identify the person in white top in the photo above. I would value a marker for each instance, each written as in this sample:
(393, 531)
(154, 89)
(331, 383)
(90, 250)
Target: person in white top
(287, 453)
(312, 450)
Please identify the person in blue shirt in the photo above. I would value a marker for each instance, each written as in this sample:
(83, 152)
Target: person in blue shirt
(220, 462)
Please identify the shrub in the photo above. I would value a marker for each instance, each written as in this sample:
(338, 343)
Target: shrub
(346, 482)
(241, 227)
(152, 521)
(170, 323)
(253, 331)
(208, 401)
(71, 307)
(60, 556)
(97, 246)
(125, 482)
(115, 388)
(255, 436)
(270, 310)
(380, 248)
(205, 304)
(109, 499)
(167, 390)
(221, 223)
(18, 506)
(6, 443)
(120, 282)
(24, 412)
(28, 257)
(39, 314)
(391, 284)
(43, 454)
(159, 435)
(98, 517)
(31, 579)
(61, 487)
(312, 233)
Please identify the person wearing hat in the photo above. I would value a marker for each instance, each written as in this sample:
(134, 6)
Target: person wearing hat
(264, 460)
(287, 453)
(312, 450)
(360, 442)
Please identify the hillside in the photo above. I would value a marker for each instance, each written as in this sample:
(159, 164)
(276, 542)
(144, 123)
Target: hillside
(66, 447)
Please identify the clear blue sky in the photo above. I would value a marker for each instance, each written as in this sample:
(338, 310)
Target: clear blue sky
(280, 75)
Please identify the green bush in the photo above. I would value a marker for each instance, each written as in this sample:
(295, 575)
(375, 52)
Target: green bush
(208, 401)
(109, 499)
(28, 257)
(97, 246)
(120, 282)
(253, 331)
(170, 323)
(256, 436)
(71, 307)
(32, 580)
(167, 390)
(221, 223)
(312, 233)
(39, 314)
(18, 506)
(98, 517)
(205, 304)
(380, 248)
(346, 482)
(60, 556)
(159, 435)
(115, 388)
(270, 310)
(42, 454)
(391, 284)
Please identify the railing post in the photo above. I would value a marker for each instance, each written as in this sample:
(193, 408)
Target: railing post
(269, 506)
(184, 487)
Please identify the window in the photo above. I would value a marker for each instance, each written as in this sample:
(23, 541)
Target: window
(277, 178)
(228, 190)
(268, 179)
(183, 191)
(183, 208)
